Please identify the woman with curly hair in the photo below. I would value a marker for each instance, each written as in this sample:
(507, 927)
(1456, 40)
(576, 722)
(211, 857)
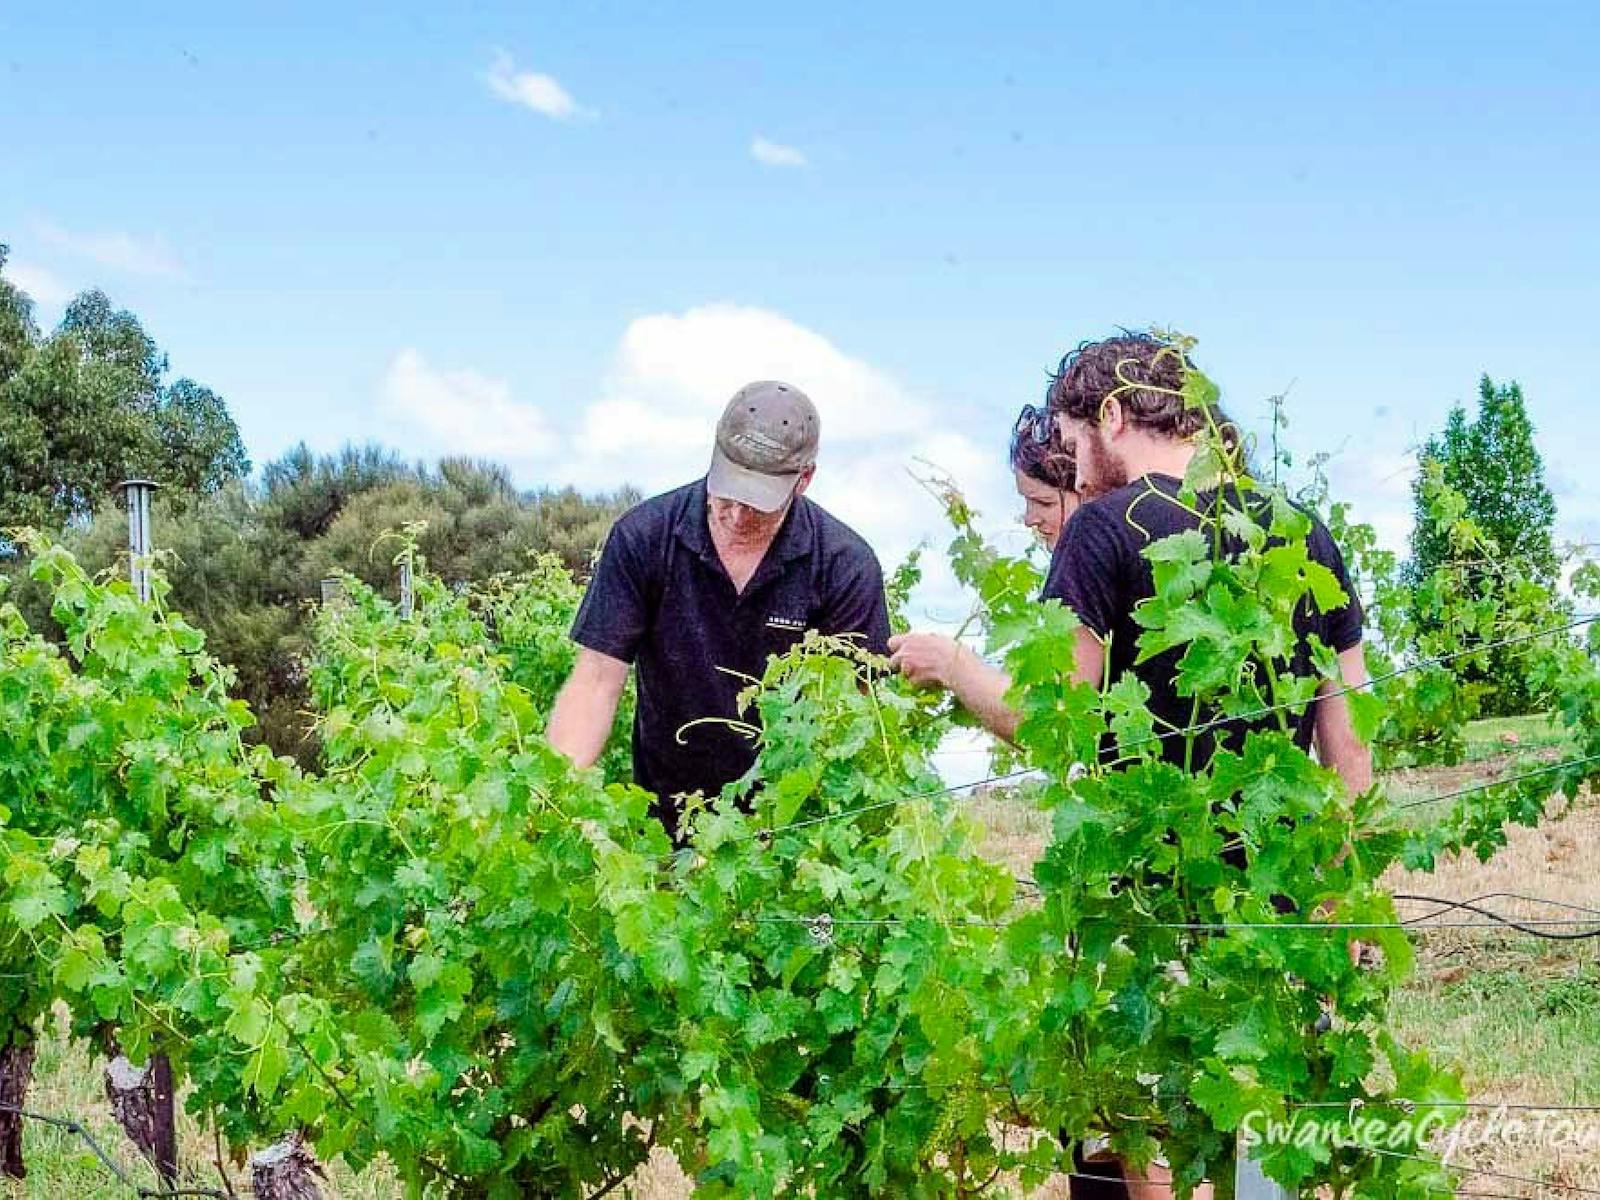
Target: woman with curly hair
(1046, 474)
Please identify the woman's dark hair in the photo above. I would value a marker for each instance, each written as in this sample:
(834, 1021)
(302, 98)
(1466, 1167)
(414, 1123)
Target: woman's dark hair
(1047, 461)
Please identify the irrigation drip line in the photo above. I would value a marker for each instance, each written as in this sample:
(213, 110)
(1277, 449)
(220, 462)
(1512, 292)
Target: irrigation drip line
(821, 925)
(1490, 784)
(1487, 896)
(76, 1129)
(1522, 925)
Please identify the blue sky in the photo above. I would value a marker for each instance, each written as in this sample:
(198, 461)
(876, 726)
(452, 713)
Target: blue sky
(544, 233)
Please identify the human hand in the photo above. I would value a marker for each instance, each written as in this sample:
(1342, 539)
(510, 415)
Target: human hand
(928, 659)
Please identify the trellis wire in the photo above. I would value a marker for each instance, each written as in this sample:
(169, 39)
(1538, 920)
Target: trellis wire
(76, 1129)
(843, 814)
(1483, 1173)
(1489, 784)
(1413, 1105)
(1350, 689)
(1592, 927)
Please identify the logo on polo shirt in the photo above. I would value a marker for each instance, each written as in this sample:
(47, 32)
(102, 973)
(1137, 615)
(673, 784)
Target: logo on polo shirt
(787, 624)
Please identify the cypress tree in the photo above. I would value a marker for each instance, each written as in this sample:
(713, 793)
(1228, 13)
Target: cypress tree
(1495, 464)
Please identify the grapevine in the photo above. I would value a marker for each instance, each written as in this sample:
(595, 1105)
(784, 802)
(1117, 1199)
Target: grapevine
(447, 947)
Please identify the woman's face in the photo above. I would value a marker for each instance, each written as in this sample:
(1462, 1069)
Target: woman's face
(1045, 509)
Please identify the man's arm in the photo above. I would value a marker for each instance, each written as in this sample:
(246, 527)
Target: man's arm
(581, 720)
(933, 659)
(1334, 734)
(1088, 658)
(1338, 747)
(612, 621)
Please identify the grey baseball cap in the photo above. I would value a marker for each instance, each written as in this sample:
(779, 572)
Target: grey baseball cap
(766, 438)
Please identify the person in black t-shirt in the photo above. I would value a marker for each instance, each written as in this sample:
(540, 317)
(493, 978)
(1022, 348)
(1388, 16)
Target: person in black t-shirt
(1100, 572)
(696, 588)
(1132, 447)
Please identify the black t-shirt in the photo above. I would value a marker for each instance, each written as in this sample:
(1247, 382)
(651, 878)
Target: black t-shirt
(661, 599)
(1100, 572)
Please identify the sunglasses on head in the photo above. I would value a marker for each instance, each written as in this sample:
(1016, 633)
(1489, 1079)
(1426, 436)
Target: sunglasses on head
(1035, 424)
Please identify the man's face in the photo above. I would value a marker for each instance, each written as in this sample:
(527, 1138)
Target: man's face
(741, 523)
(1100, 468)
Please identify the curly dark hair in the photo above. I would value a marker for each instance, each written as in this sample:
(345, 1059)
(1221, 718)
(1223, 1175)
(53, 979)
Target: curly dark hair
(1051, 463)
(1142, 371)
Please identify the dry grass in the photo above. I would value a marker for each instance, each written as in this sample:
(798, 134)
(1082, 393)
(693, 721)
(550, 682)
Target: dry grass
(62, 1165)
(1519, 1017)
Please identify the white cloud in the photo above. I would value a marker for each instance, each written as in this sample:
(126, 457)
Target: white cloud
(655, 415)
(121, 252)
(673, 372)
(1376, 483)
(776, 154)
(42, 285)
(462, 412)
(532, 90)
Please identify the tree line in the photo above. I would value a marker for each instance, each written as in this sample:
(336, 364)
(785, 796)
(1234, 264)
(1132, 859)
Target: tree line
(90, 404)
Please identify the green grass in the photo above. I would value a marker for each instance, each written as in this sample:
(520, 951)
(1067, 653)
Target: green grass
(1527, 1028)
(1536, 731)
(61, 1165)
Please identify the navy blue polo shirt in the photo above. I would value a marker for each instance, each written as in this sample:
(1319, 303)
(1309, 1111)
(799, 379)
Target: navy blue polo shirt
(662, 600)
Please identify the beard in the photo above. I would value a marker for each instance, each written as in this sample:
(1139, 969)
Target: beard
(1100, 470)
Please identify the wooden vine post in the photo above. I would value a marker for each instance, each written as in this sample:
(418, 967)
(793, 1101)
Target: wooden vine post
(285, 1171)
(141, 1098)
(16, 1070)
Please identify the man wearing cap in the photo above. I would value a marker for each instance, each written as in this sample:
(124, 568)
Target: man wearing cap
(697, 587)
